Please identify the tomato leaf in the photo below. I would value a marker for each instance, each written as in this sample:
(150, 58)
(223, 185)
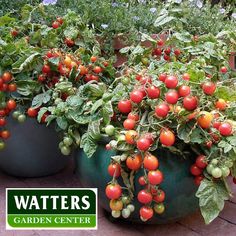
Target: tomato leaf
(107, 112)
(162, 20)
(184, 131)
(94, 129)
(27, 62)
(96, 105)
(88, 144)
(62, 122)
(212, 195)
(41, 98)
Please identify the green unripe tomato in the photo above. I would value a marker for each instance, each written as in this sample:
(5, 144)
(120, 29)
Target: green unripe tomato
(159, 208)
(65, 150)
(2, 105)
(125, 81)
(214, 161)
(216, 172)
(145, 61)
(109, 130)
(116, 214)
(57, 101)
(125, 200)
(61, 144)
(126, 213)
(2, 145)
(67, 141)
(15, 114)
(229, 164)
(209, 168)
(131, 207)
(21, 118)
(225, 171)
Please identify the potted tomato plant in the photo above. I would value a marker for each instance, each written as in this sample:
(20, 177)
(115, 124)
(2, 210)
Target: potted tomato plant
(172, 125)
(39, 72)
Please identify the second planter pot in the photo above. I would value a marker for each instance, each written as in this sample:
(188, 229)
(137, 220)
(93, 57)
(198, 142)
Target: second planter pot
(178, 183)
(32, 150)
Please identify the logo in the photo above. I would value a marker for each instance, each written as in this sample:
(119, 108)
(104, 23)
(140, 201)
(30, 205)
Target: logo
(51, 208)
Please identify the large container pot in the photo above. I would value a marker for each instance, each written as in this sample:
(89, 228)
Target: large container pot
(178, 183)
(32, 150)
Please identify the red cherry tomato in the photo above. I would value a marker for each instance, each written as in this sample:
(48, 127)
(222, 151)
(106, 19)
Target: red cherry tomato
(129, 124)
(146, 212)
(195, 170)
(177, 52)
(5, 134)
(171, 82)
(150, 162)
(143, 144)
(97, 69)
(162, 110)
(11, 104)
(201, 161)
(134, 162)
(114, 170)
(125, 106)
(160, 42)
(184, 90)
(133, 116)
(144, 197)
(12, 87)
(190, 103)
(113, 191)
(186, 76)
(172, 96)
(130, 136)
(198, 179)
(153, 92)
(160, 196)
(162, 77)
(223, 69)
(225, 129)
(167, 137)
(142, 180)
(7, 76)
(136, 96)
(155, 177)
(46, 69)
(209, 88)
(167, 51)
(31, 112)
(2, 121)
(55, 25)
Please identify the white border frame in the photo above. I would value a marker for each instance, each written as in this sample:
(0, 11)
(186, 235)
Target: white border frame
(8, 227)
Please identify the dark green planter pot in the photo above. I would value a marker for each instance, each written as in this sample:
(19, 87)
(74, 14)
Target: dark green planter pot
(178, 183)
(32, 150)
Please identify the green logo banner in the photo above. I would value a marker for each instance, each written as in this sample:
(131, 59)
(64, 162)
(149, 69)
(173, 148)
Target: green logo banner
(44, 208)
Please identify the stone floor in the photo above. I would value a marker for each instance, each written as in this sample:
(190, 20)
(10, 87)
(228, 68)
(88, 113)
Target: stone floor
(193, 225)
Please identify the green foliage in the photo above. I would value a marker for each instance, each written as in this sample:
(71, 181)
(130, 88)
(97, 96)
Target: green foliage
(211, 198)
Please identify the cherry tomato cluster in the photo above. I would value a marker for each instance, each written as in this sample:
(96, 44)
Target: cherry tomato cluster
(57, 23)
(120, 204)
(197, 169)
(6, 84)
(218, 168)
(166, 52)
(86, 71)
